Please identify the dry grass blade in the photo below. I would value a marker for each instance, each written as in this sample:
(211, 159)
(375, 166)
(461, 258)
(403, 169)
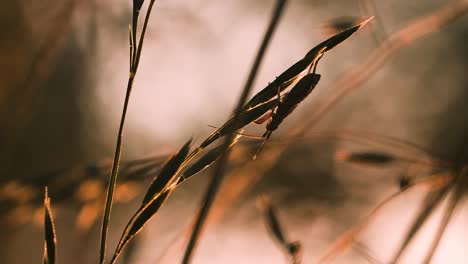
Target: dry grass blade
(430, 203)
(347, 239)
(137, 4)
(135, 61)
(334, 40)
(167, 173)
(140, 219)
(457, 195)
(50, 238)
(239, 121)
(205, 161)
(220, 168)
(157, 193)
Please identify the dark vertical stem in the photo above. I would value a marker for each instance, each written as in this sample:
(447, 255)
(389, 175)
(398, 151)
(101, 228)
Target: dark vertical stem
(114, 171)
(221, 165)
(118, 148)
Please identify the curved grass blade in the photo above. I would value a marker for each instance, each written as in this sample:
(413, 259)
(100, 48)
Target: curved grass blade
(154, 198)
(137, 4)
(205, 161)
(239, 121)
(50, 238)
(335, 40)
(140, 219)
(167, 173)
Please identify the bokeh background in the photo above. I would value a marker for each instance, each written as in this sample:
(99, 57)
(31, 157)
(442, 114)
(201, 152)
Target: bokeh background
(64, 68)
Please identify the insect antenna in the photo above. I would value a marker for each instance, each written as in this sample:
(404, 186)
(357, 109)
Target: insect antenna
(265, 137)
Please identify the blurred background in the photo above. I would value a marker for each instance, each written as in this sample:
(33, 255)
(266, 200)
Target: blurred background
(64, 68)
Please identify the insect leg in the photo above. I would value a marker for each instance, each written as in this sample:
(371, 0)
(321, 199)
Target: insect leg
(266, 136)
(242, 134)
(316, 63)
(263, 118)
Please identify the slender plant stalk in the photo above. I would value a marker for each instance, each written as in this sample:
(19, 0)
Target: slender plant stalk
(431, 201)
(118, 148)
(459, 190)
(345, 240)
(220, 166)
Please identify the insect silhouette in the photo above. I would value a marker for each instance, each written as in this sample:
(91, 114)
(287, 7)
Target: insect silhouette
(288, 103)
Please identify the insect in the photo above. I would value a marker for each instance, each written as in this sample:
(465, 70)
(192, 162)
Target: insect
(288, 103)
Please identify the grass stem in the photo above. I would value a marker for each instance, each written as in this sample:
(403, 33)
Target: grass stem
(220, 166)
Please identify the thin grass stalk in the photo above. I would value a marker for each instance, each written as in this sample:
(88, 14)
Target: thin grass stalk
(346, 240)
(220, 166)
(364, 251)
(50, 236)
(118, 147)
(432, 200)
(460, 189)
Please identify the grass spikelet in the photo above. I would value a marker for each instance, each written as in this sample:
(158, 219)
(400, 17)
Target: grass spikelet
(140, 219)
(50, 238)
(335, 40)
(206, 160)
(161, 187)
(167, 173)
